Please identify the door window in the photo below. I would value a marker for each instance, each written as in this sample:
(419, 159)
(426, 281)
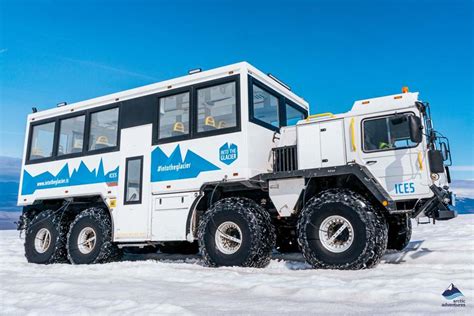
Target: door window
(133, 180)
(391, 132)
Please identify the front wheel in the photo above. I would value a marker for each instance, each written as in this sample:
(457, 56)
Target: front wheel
(90, 238)
(339, 229)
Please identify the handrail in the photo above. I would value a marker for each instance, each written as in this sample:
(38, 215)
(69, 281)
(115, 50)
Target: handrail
(319, 115)
(420, 160)
(353, 143)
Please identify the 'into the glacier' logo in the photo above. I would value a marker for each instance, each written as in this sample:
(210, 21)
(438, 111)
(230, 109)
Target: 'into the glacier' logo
(452, 293)
(228, 153)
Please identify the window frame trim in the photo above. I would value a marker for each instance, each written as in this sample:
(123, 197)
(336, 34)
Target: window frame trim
(85, 152)
(193, 110)
(379, 117)
(70, 155)
(156, 129)
(30, 141)
(139, 201)
(282, 101)
(251, 82)
(88, 130)
(295, 107)
(213, 83)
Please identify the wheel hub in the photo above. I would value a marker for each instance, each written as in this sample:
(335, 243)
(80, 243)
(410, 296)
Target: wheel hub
(86, 240)
(228, 238)
(336, 234)
(42, 240)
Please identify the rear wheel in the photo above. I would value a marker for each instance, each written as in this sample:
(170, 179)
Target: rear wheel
(399, 232)
(45, 239)
(90, 238)
(236, 232)
(339, 229)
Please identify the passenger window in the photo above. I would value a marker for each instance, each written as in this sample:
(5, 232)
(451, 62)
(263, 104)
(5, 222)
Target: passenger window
(265, 107)
(387, 133)
(174, 116)
(133, 180)
(103, 130)
(217, 107)
(293, 115)
(71, 135)
(42, 141)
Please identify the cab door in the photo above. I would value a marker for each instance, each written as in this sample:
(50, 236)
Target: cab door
(392, 157)
(132, 215)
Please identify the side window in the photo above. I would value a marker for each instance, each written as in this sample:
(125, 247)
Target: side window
(293, 115)
(387, 133)
(217, 107)
(174, 115)
(103, 129)
(265, 106)
(133, 180)
(42, 140)
(71, 135)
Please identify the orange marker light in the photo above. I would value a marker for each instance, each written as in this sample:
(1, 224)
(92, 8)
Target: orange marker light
(405, 89)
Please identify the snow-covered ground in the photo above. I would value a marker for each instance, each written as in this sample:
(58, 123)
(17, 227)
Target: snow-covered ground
(408, 282)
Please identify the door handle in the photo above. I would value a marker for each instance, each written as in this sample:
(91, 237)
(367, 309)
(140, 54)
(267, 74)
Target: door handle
(371, 162)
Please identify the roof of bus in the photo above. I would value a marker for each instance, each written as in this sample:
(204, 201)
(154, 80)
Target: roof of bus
(203, 76)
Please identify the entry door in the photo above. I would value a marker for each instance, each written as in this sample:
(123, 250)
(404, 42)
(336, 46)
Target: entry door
(133, 212)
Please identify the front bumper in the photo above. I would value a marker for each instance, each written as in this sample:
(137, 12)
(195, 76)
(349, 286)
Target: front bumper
(441, 205)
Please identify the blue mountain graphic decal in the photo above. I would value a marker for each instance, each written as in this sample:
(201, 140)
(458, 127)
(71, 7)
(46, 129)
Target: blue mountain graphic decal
(452, 292)
(81, 175)
(164, 168)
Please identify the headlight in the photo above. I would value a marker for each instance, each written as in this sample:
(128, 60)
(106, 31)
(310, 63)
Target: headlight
(434, 176)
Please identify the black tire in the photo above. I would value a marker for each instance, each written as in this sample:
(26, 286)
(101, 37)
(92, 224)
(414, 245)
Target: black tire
(399, 232)
(179, 247)
(55, 225)
(257, 233)
(97, 222)
(365, 245)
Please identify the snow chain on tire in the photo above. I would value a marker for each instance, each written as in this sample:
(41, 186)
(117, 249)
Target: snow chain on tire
(261, 232)
(56, 223)
(107, 252)
(365, 219)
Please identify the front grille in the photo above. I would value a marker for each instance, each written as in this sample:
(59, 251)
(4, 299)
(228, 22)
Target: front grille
(285, 158)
